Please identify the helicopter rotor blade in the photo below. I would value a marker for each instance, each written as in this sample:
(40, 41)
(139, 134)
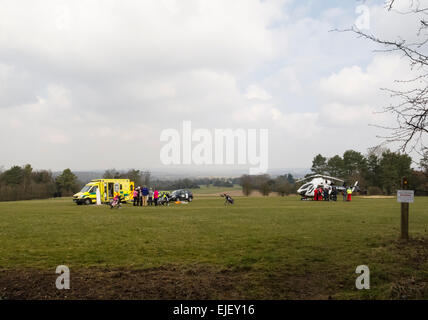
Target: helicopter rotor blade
(320, 176)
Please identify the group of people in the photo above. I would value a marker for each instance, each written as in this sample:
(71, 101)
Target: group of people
(323, 194)
(144, 196)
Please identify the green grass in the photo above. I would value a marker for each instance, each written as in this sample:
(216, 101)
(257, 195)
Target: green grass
(266, 235)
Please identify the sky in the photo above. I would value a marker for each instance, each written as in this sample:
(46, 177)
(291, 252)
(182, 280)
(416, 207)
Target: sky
(91, 85)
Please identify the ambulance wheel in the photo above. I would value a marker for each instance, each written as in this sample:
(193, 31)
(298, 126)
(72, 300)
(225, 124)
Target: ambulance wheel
(88, 202)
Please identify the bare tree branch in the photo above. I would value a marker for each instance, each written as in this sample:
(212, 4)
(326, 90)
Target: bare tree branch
(411, 113)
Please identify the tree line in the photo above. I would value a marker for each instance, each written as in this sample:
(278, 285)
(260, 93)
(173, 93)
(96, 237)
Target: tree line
(379, 172)
(25, 183)
(265, 184)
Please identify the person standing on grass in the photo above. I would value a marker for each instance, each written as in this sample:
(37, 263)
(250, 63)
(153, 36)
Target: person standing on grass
(150, 197)
(156, 196)
(140, 198)
(334, 194)
(326, 195)
(349, 194)
(316, 194)
(135, 196)
(145, 193)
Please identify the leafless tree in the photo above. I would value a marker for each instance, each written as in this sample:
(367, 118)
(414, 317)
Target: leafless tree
(410, 108)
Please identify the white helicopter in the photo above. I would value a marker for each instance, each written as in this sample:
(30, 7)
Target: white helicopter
(307, 190)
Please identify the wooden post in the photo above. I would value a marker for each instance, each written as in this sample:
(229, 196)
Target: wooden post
(404, 213)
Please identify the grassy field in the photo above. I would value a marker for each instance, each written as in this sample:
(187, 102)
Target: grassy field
(260, 248)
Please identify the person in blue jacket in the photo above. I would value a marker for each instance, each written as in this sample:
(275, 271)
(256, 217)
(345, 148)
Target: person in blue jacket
(145, 193)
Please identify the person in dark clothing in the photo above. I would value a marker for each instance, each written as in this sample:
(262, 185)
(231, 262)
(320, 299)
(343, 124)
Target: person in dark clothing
(326, 195)
(334, 194)
(320, 193)
(150, 201)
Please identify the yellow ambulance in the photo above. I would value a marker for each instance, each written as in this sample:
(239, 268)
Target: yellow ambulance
(108, 188)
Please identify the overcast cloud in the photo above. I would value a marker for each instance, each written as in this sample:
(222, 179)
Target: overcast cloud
(91, 84)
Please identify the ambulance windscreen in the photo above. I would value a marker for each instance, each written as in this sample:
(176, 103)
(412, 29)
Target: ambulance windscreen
(86, 188)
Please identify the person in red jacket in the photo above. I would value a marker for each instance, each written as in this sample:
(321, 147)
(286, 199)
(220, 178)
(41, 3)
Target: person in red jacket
(316, 195)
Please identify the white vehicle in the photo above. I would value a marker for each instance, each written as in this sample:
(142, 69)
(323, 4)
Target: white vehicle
(307, 190)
